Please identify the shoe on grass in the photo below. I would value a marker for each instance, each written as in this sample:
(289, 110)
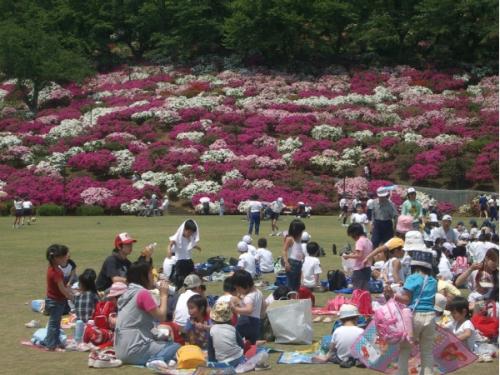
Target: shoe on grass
(157, 365)
(32, 324)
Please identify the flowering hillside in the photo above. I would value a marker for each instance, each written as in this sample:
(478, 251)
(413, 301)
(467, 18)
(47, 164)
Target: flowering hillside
(234, 133)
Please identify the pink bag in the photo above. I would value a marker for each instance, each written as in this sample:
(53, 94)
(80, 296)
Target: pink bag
(394, 322)
(459, 266)
(335, 303)
(362, 299)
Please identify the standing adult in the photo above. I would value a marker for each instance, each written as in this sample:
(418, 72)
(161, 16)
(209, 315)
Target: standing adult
(293, 256)
(411, 206)
(343, 204)
(254, 213)
(445, 231)
(367, 171)
(276, 208)
(483, 206)
(221, 206)
(115, 266)
(137, 312)
(492, 209)
(18, 207)
(181, 244)
(383, 218)
(27, 211)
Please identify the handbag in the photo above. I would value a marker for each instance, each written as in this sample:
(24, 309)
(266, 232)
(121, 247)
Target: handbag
(291, 321)
(487, 325)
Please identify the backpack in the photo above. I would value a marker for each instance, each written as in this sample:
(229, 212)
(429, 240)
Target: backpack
(101, 313)
(217, 263)
(487, 325)
(362, 299)
(394, 322)
(190, 356)
(336, 280)
(460, 265)
(375, 286)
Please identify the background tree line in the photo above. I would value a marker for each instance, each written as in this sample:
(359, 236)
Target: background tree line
(45, 40)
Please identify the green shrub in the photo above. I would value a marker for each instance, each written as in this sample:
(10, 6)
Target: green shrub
(50, 210)
(90, 211)
(5, 208)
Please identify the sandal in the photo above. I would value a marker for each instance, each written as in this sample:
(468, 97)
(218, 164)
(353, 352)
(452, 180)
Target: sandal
(318, 319)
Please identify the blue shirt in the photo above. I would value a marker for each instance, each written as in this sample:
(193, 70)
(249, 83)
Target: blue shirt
(413, 284)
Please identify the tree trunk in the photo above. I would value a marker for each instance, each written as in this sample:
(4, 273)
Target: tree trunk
(33, 101)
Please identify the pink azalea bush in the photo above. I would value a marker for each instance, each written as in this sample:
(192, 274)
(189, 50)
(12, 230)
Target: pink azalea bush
(267, 133)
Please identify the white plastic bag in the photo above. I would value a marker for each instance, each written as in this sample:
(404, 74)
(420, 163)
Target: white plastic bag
(291, 321)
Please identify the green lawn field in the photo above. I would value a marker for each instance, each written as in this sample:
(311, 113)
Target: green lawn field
(90, 239)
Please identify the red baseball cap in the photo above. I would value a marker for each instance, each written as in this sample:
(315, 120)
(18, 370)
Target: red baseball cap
(123, 238)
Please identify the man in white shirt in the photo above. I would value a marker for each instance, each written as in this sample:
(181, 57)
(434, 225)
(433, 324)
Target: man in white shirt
(276, 208)
(193, 286)
(264, 257)
(254, 213)
(246, 260)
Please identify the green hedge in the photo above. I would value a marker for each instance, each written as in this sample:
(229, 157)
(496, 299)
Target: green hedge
(50, 210)
(90, 211)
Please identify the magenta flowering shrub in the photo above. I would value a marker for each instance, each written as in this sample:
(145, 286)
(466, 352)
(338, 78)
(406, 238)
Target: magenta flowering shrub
(446, 207)
(420, 172)
(97, 162)
(249, 133)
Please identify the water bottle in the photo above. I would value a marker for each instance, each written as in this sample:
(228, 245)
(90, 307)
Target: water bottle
(79, 328)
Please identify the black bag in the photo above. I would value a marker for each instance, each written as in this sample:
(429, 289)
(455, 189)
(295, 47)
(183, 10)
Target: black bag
(336, 280)
(217, 263)
(233, 262)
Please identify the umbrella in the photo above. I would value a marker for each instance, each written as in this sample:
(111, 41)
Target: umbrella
(204, 199)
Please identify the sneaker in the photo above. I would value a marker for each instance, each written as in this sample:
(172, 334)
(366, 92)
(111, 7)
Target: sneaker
(93, 356)
(106, 361)
(32, 324)
(157, 365)
(318, 319)
(485, 358)
(262, 367)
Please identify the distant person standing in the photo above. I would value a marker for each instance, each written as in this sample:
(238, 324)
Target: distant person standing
(221, 206)
(367, 171)
(153, 205)
(483, 206)
(27, 211)
(18, 207)
(412, 207)
(384, 216)
(343, 205)
(276, 208)
(254, 213)
(492, 208)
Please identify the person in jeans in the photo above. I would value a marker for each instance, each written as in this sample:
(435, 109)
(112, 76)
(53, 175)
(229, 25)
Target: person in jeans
(57, 295)
(254, 213)
(419, 291)
(137, 311)
(293, 256)
(361, 270)
(383, 218)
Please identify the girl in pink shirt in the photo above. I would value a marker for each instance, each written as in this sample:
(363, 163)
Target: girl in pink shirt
(362, 271)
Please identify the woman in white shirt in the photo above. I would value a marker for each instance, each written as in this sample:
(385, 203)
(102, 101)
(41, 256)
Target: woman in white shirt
(293, 255)
(254, 213)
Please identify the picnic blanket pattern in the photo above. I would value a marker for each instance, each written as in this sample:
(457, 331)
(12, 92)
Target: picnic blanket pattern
(449, 352)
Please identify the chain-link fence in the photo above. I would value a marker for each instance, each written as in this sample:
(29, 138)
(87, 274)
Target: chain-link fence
(457, 197)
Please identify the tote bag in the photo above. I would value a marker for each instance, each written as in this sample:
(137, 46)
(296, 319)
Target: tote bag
(291, 321)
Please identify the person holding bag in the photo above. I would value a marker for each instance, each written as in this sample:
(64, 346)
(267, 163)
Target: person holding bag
(419, 291)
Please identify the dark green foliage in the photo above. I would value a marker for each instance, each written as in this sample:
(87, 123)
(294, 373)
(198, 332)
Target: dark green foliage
(90, 211)
(60, 40)
(50, 210)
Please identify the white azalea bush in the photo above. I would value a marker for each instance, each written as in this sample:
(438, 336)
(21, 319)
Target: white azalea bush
(124, 161)
(219, 155)
(231, 175)
(163, 180)
(192, 136)
(199, 186)
(8, 140)
(289, 145)
(67, 128)
(133, 207)
(327, 132)
(214, 208)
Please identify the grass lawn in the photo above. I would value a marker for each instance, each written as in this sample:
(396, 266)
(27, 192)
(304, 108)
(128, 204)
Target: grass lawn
(90, 239)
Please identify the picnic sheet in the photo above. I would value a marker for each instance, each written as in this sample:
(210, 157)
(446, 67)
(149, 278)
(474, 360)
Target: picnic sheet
(449, 352)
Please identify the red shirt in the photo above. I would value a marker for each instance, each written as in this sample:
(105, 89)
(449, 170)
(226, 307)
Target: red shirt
(54, 275)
